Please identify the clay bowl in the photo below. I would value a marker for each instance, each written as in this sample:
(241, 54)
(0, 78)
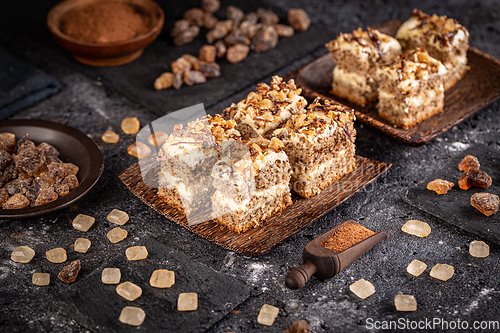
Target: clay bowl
(106, 54)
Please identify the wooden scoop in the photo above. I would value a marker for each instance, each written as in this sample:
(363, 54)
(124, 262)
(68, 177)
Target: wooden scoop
(325, 263)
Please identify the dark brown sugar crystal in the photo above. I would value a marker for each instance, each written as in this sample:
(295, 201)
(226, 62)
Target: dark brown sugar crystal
(469, 162)
(474, 177)
(70, 272)
(486, 203)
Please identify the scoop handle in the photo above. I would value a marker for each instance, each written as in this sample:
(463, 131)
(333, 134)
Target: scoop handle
(298, 277)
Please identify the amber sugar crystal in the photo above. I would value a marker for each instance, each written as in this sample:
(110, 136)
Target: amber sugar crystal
(346, 236)
(110, 137)
(131, 125)
(139, 150)
(157, 138)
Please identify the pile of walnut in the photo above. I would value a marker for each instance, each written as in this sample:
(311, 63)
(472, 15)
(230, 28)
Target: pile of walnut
(231, 38)
(32, 175)
(486, 203)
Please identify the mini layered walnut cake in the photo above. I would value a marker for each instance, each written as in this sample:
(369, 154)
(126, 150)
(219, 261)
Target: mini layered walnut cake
(411, 89)
(320, 146)
(444, 38)
(265, 110)
(187, 158)
(357, 56)
(252, 182)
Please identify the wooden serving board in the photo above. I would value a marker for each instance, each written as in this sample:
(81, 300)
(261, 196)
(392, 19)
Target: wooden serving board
(275, 229)
(479, 87)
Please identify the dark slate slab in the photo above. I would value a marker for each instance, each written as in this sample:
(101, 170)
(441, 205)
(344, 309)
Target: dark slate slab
(97, 306)
(135, 80)
(454, 207)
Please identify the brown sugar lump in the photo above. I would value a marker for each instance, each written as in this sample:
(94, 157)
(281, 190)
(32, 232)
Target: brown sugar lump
(469, 162)
(474, 177)
(17, 201)
(444, 38)
(320, 146)
(411, 89)
(440, 186)
(186, 161)
(208, 53)
(486, 203)
(8, 142)
(70, 272)
(298, 19)
(358, 55)
(252, 183)
(261, 112)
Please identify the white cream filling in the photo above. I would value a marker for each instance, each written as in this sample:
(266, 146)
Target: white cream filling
(320, 168)
(352, 79)
(188, 150)
(269, 158)
(169, 181)
(274, 191)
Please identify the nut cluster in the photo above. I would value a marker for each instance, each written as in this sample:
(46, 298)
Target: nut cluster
(438, 28)
(266, 103)
(414, 66)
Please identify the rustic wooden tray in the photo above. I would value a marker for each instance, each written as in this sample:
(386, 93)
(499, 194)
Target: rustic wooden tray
(479, 87)
(277, 228)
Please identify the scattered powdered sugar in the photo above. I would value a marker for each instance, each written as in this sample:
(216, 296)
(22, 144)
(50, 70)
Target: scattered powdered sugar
(458, 146)
(256, 270)
(475, 303)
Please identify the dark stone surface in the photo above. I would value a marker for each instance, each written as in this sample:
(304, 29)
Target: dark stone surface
(454, 207)
(97, 306)
(473, 293)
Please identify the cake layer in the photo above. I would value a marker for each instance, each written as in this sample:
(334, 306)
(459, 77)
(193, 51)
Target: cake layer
(319, 145)
(325, 174)
(444, 39)
(363, 51)
(355, 88)
(241, 217)
(187, 158)
(411, 89)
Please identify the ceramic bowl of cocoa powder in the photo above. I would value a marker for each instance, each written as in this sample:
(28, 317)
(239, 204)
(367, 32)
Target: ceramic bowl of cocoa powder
(105, 32)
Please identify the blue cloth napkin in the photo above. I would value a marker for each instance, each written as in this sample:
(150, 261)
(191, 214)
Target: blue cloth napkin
(22, 85)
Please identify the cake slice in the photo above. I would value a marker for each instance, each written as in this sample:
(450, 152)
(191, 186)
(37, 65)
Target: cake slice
(444, 38)
(187, 158)
(261, 112)
(252, 183)
(411, 89)
(357, 56)
(319, 145)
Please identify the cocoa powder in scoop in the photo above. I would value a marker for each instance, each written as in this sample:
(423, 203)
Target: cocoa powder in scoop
(346, 236)
(104, 22)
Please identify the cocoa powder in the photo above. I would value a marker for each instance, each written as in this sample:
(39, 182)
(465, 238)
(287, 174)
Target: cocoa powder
(104, 22)
(346, 236)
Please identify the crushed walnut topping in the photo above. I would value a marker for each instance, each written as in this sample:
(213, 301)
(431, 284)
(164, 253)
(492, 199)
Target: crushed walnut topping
(416, 65)
(318, 118)
(266, 104)
(371, 38)
(206, 132)
(438, 29)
